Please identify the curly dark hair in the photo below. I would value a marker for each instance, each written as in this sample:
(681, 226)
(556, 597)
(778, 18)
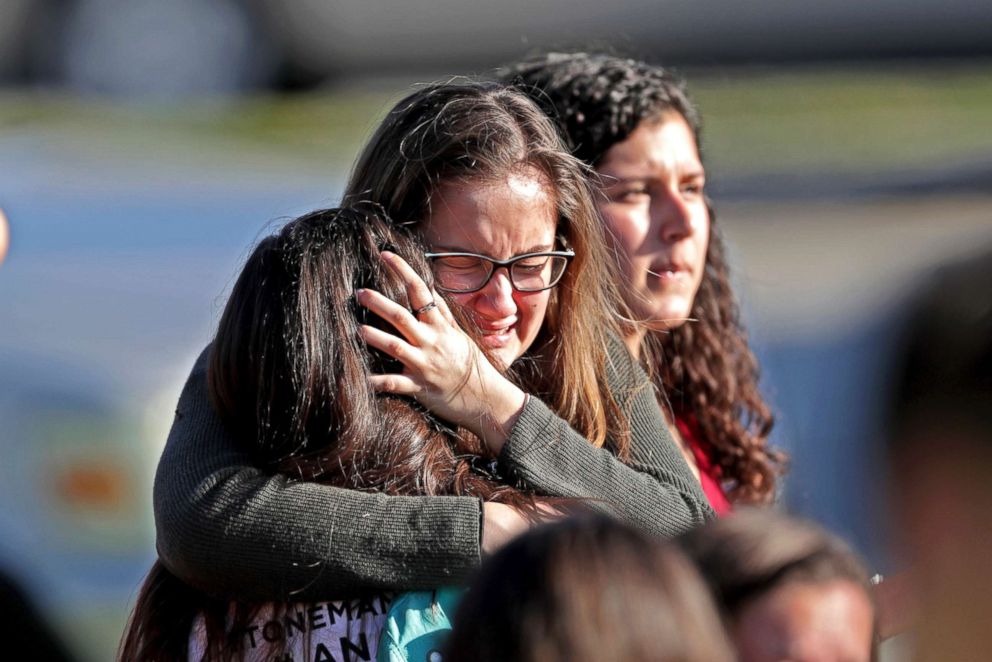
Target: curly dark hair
(706, 369)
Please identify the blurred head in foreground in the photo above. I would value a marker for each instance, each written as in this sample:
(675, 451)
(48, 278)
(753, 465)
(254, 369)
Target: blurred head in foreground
(940, 450)
(587, 589)
(788, 589)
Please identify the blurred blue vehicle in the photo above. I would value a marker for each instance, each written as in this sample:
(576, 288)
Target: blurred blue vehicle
(116, 275)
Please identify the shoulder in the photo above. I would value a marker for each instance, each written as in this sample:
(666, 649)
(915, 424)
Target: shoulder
(623, 372)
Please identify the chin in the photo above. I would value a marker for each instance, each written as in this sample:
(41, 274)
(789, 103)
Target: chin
(505, 357)
(667, 324)
(666, 318)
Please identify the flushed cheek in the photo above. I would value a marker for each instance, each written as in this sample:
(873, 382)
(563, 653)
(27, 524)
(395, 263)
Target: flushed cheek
(532, 309)
(462, 302)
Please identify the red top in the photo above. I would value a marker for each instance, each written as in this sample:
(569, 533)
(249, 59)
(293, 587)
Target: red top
(709, 473)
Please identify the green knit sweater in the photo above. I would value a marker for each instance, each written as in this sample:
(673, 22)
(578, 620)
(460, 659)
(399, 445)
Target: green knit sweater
(238, 532)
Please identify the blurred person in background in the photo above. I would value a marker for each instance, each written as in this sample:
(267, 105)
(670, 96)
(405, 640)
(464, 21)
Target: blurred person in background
(478, 173)
(4, 236)
(635, 124)
(788, 589)
(22, 627)
(587, 589)
(289, 374)
(940, 451)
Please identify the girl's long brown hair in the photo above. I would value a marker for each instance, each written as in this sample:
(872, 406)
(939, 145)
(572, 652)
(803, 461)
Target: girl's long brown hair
(289, 371)
(289, 375)
(705, 368)
(482, 132)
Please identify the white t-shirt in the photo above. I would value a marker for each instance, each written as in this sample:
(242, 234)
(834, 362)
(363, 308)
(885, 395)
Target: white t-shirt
(340, 631)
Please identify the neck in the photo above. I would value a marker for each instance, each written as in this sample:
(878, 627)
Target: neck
(633, 339)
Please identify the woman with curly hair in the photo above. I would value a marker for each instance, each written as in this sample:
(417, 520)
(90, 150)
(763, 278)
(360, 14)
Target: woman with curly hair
(636, 126)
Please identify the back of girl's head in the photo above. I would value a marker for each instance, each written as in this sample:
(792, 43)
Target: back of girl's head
(471, 133)
(587, 589)
(598, 99)
(753, 552)
(288, 369)
(290, 374)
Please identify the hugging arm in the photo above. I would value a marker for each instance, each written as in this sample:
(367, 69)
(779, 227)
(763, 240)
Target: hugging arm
(654, 491)
(232, 530)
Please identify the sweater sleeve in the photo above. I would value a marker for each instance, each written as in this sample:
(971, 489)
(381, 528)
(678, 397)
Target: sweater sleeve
(654, 491)
(233, 530)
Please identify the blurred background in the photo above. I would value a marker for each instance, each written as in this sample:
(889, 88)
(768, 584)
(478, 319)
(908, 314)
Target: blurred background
(145, 145)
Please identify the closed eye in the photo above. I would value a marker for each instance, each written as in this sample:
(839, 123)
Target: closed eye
(460, 263)
(629, 194)
(532, 265)
(693, 185)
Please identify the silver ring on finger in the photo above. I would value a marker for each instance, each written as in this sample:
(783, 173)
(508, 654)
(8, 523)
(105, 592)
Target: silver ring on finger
(425, 309)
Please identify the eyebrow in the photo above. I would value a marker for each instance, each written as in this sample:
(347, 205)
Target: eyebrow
(538, 248)
(613, 180)
(642, 171)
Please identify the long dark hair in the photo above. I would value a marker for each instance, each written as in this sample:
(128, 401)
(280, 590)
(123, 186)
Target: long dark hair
(706, 368)
(289, 375)
(475, 132)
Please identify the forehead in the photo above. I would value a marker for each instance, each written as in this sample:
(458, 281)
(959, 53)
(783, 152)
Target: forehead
(663, 144)
(832, 618)
(501, 218)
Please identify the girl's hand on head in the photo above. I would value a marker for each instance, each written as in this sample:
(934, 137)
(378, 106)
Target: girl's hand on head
(443, 368)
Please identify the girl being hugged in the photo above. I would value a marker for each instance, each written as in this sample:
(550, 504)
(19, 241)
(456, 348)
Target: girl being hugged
(289, 374)
(477, 173)
(636, 126)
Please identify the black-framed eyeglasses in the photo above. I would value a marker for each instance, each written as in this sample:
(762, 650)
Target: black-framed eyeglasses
(470, 272)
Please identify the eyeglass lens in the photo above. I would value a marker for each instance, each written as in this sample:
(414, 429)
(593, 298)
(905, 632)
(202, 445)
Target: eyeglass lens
(466, 273)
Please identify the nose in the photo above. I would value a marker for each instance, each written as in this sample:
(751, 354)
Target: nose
(496, 298)
(672, 215)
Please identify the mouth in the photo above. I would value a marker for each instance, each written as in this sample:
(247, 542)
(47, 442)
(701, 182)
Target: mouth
(669, 270)
(497, 334)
